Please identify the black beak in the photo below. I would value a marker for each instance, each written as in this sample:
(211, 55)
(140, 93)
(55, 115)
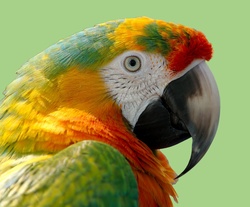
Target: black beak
(189, 107)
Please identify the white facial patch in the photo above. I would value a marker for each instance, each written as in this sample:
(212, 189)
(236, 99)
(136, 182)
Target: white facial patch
(134, 86)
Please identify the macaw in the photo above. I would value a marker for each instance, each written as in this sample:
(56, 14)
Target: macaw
(84, 121)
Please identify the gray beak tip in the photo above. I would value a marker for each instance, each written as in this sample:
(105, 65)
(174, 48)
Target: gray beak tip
(203, 114)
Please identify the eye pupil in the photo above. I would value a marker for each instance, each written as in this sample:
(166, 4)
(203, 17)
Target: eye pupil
(132, 62)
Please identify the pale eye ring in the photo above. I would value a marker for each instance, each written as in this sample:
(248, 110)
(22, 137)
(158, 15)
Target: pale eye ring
(132, 63)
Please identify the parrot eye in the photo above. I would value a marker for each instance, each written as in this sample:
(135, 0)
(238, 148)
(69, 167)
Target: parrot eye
(132, 63)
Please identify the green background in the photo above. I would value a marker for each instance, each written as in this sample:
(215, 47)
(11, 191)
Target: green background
(222, 177)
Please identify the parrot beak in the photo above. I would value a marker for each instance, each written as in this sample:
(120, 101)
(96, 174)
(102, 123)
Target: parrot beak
(189, 107)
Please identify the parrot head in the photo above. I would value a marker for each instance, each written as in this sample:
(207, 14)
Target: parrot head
(161, 82)
(144, 77)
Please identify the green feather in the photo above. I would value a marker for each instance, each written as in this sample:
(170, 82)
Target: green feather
(153, 40)
(87, 173)
(87, 49)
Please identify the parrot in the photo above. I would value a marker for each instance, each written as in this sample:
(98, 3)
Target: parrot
(84, 122)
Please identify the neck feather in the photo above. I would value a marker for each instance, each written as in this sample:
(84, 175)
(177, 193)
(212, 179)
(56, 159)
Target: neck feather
(49, 119)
